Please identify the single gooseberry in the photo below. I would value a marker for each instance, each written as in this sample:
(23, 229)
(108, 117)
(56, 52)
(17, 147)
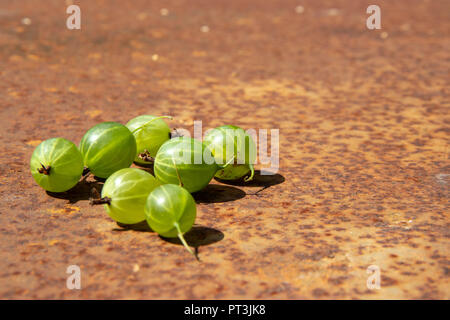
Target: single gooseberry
(107, 147)
(124, 194)
(171, 212)
(56, 165)
(150, 133)
(187, 160)
(234, 151)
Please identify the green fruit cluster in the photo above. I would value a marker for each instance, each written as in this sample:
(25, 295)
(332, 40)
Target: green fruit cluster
(181, 165)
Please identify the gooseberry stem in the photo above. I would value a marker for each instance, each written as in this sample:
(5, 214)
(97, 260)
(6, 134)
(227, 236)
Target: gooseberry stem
(104, 200)
(95, 199)
(183, 241)
(252, 169)
(176, 169)
(146, 123)
(44, 170)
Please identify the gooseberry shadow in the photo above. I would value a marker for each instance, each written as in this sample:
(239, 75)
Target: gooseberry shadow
(81, 191)
(98, 179)
(198, 236)
(140, 227)
(215, 193)
(145, 167)
(259, 180)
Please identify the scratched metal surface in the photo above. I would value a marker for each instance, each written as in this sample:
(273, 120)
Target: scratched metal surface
(364, 130)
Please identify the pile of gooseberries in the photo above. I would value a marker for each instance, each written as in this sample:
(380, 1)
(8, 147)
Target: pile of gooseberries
(181, 166)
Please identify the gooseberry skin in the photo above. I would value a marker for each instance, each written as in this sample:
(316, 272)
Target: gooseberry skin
(108, 147)
(63, 161)
(170, 166)
(243, 152)
(233, 172)
(127, 191)
(171, 211)
(150, 133)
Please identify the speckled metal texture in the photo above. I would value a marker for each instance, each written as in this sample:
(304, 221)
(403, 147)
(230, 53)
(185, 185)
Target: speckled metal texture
(364, 131)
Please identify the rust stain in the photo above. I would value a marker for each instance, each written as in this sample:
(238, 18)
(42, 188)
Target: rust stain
(33, 143)
(53, 242)
(93, 113)
(68, 209)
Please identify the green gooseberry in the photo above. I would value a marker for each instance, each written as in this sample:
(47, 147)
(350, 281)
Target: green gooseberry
(234, 151)
(171, 212)
(56, 165)
(187, 160)
(150, 133)
(107, 147)
(124, 194)
(234, 172)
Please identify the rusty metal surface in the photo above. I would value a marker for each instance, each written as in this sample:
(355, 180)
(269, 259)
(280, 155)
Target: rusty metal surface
(364, 130)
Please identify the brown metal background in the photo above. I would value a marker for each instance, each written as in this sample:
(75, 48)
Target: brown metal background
(364, 124)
